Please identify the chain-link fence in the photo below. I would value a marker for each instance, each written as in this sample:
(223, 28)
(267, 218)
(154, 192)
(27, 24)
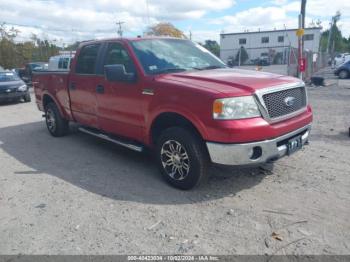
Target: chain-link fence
(282, 60)
(255, 56)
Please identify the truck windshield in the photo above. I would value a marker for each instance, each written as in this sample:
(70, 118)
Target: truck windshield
(7, 77)
(173, 55)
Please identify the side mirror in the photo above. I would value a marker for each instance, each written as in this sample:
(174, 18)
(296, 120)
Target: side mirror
(117, 73)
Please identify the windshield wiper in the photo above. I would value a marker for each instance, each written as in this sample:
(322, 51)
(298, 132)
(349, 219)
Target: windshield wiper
(208, 67)
(170, 70)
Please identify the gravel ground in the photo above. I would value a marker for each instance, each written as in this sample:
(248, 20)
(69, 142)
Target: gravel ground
(81, 195)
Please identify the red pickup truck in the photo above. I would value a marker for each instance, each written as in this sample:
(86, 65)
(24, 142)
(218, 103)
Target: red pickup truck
(175, 97)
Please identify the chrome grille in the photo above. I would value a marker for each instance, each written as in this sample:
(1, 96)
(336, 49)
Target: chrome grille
(276, 105)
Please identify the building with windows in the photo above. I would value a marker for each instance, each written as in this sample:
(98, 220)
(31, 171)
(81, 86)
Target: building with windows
(275, 45)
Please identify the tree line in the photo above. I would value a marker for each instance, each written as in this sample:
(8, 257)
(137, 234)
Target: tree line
(16, 55)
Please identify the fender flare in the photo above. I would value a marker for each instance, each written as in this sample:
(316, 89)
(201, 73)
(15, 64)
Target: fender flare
(189, 116)
(60, 109)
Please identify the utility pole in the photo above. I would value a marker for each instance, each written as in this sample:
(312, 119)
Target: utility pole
(303, 13)
(300, 46)
(329, 36)
(300, 33)
(333, 24)
(120, 30)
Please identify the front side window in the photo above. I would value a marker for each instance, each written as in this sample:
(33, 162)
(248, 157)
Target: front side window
(118, 55)
(168, 55)
(86, 62)
(63, 63)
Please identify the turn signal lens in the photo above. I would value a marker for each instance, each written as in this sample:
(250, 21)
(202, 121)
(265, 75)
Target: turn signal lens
(218, 107)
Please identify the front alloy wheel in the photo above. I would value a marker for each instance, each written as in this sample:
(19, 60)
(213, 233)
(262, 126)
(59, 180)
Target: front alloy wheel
(182, 157)
(175, 160)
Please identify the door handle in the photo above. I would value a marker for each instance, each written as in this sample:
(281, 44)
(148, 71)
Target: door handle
(148, 91)
(100, 89)
(72, 86)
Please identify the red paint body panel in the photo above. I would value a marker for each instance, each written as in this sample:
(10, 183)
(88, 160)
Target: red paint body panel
(123, 110)
(53, 85)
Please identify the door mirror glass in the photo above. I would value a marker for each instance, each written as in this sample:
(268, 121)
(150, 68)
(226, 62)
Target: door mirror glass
(117, 73)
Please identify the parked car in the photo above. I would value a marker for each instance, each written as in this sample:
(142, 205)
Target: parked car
(261, 61)
(19, 71)
(12, 87)
(340, 59)
(146, 93)
(60, 63)
(343, 71)
(34, 66)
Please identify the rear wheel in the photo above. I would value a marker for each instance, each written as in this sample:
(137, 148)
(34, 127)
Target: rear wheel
(182, 158)
(56, 124)
(343, 74)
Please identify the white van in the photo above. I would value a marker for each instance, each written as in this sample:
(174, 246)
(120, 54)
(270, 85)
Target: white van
(60, 62)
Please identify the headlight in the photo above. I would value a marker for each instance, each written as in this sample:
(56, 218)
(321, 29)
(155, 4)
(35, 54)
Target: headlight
(235, 108)
(22, 88)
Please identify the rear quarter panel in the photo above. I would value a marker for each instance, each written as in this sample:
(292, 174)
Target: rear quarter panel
(55, 85)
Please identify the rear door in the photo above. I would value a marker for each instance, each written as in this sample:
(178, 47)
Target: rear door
(119, 103)
(82, 86)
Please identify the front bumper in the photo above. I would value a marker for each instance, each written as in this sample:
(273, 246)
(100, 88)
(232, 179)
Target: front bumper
(256, 152)
(12, 95)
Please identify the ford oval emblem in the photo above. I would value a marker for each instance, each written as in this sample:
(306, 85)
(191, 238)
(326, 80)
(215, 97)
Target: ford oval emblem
(289, 101)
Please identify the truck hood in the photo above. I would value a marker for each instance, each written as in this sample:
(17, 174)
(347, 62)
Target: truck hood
(230, 81)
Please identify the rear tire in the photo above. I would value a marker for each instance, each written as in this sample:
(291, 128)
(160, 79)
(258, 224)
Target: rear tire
(182, 158)
(56, 124)
(343, 74)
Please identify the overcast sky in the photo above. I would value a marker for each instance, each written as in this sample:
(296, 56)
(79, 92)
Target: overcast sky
(67, 21)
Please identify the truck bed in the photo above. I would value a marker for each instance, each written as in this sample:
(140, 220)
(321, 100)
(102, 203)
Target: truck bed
(54, 83)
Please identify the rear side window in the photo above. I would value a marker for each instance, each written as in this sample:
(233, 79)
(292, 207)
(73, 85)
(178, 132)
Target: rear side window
(86, 62)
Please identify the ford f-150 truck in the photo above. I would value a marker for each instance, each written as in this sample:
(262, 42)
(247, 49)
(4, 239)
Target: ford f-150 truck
(175, 97)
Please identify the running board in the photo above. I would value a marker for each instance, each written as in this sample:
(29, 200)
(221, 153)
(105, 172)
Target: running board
(126, 144)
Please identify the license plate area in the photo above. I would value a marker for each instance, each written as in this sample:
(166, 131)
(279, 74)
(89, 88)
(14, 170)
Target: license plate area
(294, 144)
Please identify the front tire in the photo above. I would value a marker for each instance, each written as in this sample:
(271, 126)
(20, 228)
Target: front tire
(343, 74)
(27, 98)
(56, 124)
(182, 158)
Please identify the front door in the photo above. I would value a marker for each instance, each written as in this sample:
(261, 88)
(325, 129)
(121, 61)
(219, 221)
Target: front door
(119, 103)
(82, 86)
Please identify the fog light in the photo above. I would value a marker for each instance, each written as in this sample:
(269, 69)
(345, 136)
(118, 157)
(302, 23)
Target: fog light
(256, 153)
